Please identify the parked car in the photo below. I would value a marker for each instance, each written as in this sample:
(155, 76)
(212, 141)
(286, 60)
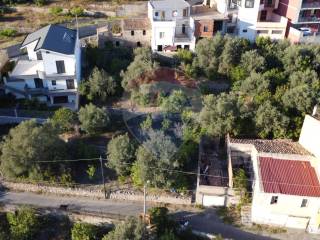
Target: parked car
(306, 31)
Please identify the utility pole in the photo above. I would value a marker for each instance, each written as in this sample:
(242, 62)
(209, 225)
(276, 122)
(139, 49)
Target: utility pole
(102, 175)
(144, 201)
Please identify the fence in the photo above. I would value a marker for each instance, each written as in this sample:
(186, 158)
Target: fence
(25, 113)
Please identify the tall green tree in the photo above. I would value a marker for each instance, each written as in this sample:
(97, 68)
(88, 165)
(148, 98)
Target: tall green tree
(27, 144)
(175, 103)
(64, 119)
(208, 53)
(121, 153)
(270, 121)
(156, 153)
(143, 63)
(252, 61)
(220, 114)
(99, 86)
(93, 119)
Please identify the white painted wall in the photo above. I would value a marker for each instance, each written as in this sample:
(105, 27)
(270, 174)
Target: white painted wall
(49, 60)
(247, 17)
(30, 50)
(310, 135)
(288, 211)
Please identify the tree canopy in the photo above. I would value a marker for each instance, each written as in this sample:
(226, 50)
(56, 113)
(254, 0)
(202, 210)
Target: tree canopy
(93, 119)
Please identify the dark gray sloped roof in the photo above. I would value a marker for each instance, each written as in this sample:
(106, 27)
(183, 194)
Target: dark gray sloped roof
(53, 38)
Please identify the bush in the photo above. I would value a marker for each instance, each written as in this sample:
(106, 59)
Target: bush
(64, 119)
(83, 231)
(56, 10)
(93, 119)
(24, 224)
(76, 11)
(116, 29)
(40, 2)
(8, 32)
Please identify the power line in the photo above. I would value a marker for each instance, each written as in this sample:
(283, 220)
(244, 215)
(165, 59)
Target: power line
(183, 172)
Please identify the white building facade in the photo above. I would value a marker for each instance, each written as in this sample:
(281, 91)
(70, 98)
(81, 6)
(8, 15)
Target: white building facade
(51, 71)
(171, 25)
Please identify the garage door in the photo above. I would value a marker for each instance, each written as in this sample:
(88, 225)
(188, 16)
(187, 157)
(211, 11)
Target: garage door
(209, 201)
(297, 222)
(60, 99)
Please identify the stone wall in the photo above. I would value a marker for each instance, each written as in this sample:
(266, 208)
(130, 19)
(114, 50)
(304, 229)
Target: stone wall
(97, 193)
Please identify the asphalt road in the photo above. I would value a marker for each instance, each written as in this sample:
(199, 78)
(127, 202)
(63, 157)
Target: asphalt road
(74, 203)
(205, 221)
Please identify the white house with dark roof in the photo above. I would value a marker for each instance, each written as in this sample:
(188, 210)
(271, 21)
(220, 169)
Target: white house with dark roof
(51, 70)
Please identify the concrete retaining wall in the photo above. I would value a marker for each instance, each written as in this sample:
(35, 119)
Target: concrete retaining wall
(96, 192)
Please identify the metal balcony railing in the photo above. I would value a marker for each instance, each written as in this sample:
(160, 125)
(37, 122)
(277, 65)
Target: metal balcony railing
(309, 19)
(310, 5)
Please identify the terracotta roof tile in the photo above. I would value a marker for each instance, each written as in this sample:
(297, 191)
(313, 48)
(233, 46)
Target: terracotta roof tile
(282, 146)
(136, 24)
(288, 177)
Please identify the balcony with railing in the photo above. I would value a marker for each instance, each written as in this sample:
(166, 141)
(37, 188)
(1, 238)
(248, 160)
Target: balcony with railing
(314, 4)
(25, 68)
(309, 19)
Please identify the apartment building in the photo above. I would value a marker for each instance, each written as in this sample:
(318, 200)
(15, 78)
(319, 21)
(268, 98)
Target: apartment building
(304, 19)
(51, 70)
(171, 25)
(258, 18)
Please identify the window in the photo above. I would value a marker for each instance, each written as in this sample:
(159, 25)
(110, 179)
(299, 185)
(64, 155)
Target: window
(276, 31)
(70, 84)
(304, 202)
(185, 12)
(117, 43)
(249, 3)
(60, 67)
(156, 14)
(186, 47)
(183, 30)
(161, 35)
(163, 15)
(205, 28)
(262, 31)
(132, 33)
(263, 15)
(144, 32)
(38, 82)
(244, 30)
(138, 44)
(39, 55)
(274, 200)
(54, 82)
(159, 48)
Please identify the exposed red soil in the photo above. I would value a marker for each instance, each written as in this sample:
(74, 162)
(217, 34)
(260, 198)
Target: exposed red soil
(164, 74)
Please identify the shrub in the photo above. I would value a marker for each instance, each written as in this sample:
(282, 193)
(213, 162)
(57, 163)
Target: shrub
(116, 29)
(93, 119)
(8, 32)
(40, 2)
(83, 231)
(24, 224)
(56, 10)
(76, 11)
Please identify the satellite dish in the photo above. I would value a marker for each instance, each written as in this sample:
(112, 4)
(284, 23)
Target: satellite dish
(175, 13)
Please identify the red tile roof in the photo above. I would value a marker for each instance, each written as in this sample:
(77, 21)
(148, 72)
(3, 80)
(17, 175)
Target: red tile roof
(289, 177)
(283, 146)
